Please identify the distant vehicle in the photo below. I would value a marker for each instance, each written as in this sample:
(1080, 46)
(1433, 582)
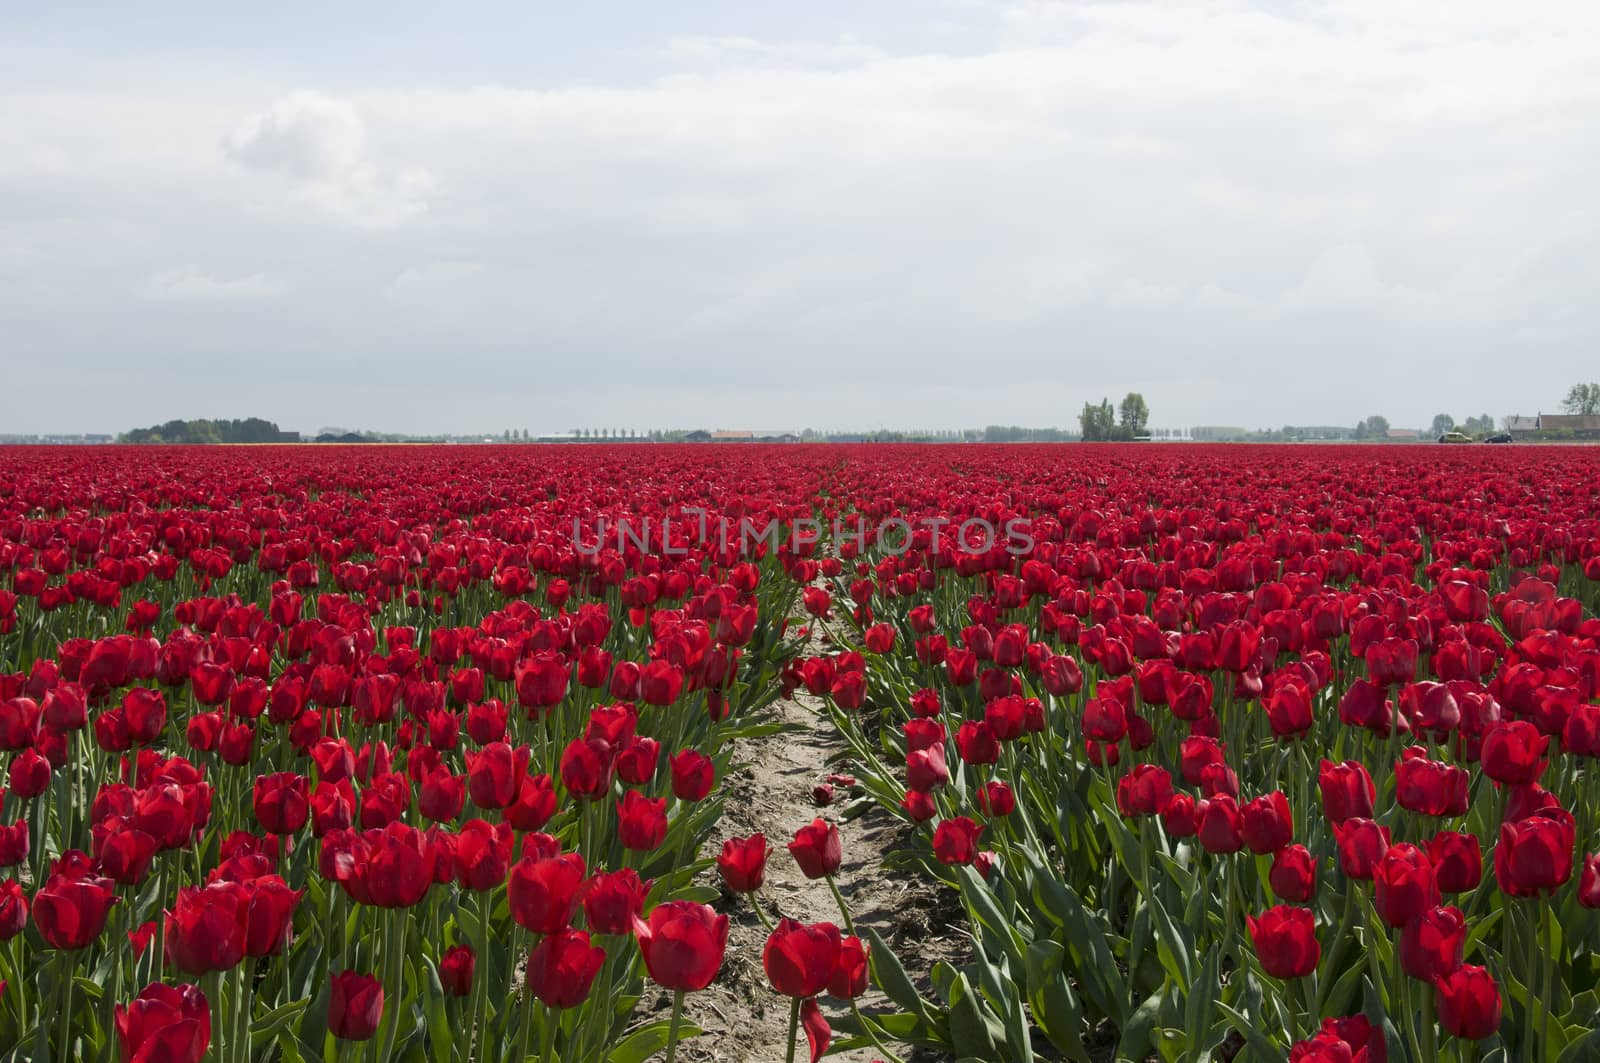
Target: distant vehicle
(1499, 437)
(1455, 437)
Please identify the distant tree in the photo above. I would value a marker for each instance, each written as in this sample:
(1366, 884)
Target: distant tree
(1374, 427)
(1098, 422)
(1442, 423)
(1480, 425)
(1582, 399)
(1133, 414)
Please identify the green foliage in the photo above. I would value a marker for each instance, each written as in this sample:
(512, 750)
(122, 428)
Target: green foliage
(249, 430)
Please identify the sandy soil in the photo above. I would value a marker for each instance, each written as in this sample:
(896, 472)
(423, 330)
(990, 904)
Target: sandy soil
(743, 1018)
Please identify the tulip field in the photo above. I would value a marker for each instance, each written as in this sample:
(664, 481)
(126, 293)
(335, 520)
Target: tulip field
(423, 753)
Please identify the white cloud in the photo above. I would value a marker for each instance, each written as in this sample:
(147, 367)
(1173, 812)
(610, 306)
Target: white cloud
(320, 144)
(188, 284)
(1076, 193)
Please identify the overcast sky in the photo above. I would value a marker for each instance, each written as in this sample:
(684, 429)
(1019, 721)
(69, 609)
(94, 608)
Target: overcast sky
(906, 213)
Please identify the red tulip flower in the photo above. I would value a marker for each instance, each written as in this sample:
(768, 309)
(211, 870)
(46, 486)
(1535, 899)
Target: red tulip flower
(800, 959)
(355, 1006)
(562, 968)
(70, 910)
(1404, 885)
(543, 891)
(1285, 941)
(1431, 943)
(852, 973)
(164, 1024)
(1294, 874)
(955, 841)
(1469, 1003)
(818, 849)
(1535, 854)
(456, 968)
(693, 775)
(683, 944)
(743, 863)
(282, 802)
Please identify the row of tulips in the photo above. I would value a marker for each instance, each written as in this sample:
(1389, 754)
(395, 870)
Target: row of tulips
(1247, 808)
(323, 754)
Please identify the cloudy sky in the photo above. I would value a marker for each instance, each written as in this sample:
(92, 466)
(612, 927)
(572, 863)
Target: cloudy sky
(842, 213)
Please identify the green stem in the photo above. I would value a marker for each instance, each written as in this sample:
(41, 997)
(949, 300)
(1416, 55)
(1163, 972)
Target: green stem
(761, 914)
(547, 1036)
(849, 924)
(794, 1027)
(672, 1027)
(1533, 972)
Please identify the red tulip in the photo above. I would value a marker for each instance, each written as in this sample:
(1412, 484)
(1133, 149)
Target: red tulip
(613, 899)
(1347, 791)
(13, 909)
(1403, 885)
(693, 775)
(1362, 844)
(1513, 752)
(1144, 790)
(164, 1024)
(1535, 854)
(1432, 942)
(543, 891)
(817, 848)
(800, 959)
(355, 1006)
(1588, 888)
(955, 841)
(682, 943)
(282, 802)
(1457, 861)
(1266, 824)
(1469, 1003)
(70, 910)
(205, 930)
(1219, 825)
(743, 863)
(1285, 940)
(1294, 874)
(562, 968)
(456, 968)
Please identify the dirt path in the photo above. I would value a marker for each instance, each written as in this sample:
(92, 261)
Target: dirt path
(743, 1018)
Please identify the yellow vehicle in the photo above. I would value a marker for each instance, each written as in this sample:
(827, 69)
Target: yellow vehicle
(1455, 437)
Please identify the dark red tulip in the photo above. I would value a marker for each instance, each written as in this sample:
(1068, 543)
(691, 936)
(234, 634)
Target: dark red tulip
(13, 909)
(164, 1024)
(482, 855)
(1404, 885)
(355, 1006)
(543, 892)
(1432, 942)
(1429, 787)
(495, 773)
(456, 968)
(817, 848)
(1361, 844)
(743, 863)
(1266, 824)
(641, 821)
(693, 775)
(955, 841)
(682, 943)
(205, 930)
(1513, 752)
(852, 973)
(71, 911)
(1219, 825)
(613, 899)
(1457, 861)
(1144, 790)
(1294, 874)
(1469, 1003)
(282, 802)
(562, 968)
(1285, 940)
(800, 959)
(1535, 854)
